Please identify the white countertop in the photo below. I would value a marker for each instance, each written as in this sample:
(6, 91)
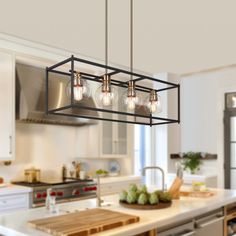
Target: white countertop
(185, 208)
(9, 189)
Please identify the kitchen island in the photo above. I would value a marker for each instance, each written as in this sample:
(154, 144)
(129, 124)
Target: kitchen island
(184, 209)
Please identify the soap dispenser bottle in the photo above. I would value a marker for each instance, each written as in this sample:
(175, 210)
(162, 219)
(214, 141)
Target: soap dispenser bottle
(48, 199)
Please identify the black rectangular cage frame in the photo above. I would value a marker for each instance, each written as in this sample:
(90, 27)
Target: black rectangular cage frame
(152, 120)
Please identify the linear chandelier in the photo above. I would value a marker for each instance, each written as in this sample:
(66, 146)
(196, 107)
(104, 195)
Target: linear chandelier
(120, 95)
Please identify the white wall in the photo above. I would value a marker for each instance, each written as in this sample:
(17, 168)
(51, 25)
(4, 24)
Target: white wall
(169, 35)
(174, 141)
(48, 147)
(202, 126)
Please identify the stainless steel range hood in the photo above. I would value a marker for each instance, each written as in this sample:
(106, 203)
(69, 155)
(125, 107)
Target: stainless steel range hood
(30, 98)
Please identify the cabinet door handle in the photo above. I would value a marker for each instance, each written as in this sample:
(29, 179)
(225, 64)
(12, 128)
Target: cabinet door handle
(10, 144)
(189, 233)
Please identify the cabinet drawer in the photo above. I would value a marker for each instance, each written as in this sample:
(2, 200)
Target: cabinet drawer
(12, 202)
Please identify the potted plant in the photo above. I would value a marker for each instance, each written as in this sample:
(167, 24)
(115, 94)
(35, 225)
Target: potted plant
(191, 161)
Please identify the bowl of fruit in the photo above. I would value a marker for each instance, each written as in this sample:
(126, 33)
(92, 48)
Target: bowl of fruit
(140, 198)
(101, 173)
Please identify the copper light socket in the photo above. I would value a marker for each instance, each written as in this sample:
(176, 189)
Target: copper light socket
(78, 81)
(106, 84)
(153, 96)
(131, 89)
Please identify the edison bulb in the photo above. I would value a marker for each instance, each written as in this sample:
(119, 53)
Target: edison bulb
(153, 103)
(106, 98)
(131, 98)
(106, 94)
(154, 106)
(78, 92)
(131, 102)
(81, 88)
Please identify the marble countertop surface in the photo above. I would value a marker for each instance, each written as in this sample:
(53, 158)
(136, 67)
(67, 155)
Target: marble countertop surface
(9, 189)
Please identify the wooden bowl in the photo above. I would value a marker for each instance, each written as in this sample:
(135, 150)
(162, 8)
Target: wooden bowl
(160, 205)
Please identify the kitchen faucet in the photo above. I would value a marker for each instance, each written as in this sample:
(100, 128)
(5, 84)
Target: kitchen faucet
(98, 194)
(158, 168)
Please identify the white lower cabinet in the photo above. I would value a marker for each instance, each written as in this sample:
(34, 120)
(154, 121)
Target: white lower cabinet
(14, 202)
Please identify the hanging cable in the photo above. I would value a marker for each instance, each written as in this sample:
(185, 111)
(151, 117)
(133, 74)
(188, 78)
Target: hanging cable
(106, 34)
(130, 98)
(106, 95)
(131, 38)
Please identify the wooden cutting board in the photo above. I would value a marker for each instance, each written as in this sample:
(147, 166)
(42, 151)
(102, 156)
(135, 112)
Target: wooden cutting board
(203, 194)
(83, 223)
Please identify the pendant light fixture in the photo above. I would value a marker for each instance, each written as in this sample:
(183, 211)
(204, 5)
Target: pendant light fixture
(154, 103)
(81, 87)
(131, 98)
(106, 95)
(135, 110)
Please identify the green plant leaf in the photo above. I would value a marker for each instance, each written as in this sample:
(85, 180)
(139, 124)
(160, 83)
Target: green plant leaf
(192, 161)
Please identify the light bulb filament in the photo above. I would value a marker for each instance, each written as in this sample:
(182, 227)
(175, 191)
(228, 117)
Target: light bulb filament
(78, 92)
(131, 102)
(106, 98)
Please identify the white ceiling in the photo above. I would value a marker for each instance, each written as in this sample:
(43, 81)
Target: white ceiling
(170, 36)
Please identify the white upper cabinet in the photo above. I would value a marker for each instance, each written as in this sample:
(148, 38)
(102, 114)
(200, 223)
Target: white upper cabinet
(7, 106)
(116, 138)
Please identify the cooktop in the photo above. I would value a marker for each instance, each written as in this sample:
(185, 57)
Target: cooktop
(36, 184)
(52, 182)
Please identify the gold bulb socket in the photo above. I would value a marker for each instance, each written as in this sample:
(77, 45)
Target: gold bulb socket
(78, 81)
(106, 84)
(131, 89)
(153, 96)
